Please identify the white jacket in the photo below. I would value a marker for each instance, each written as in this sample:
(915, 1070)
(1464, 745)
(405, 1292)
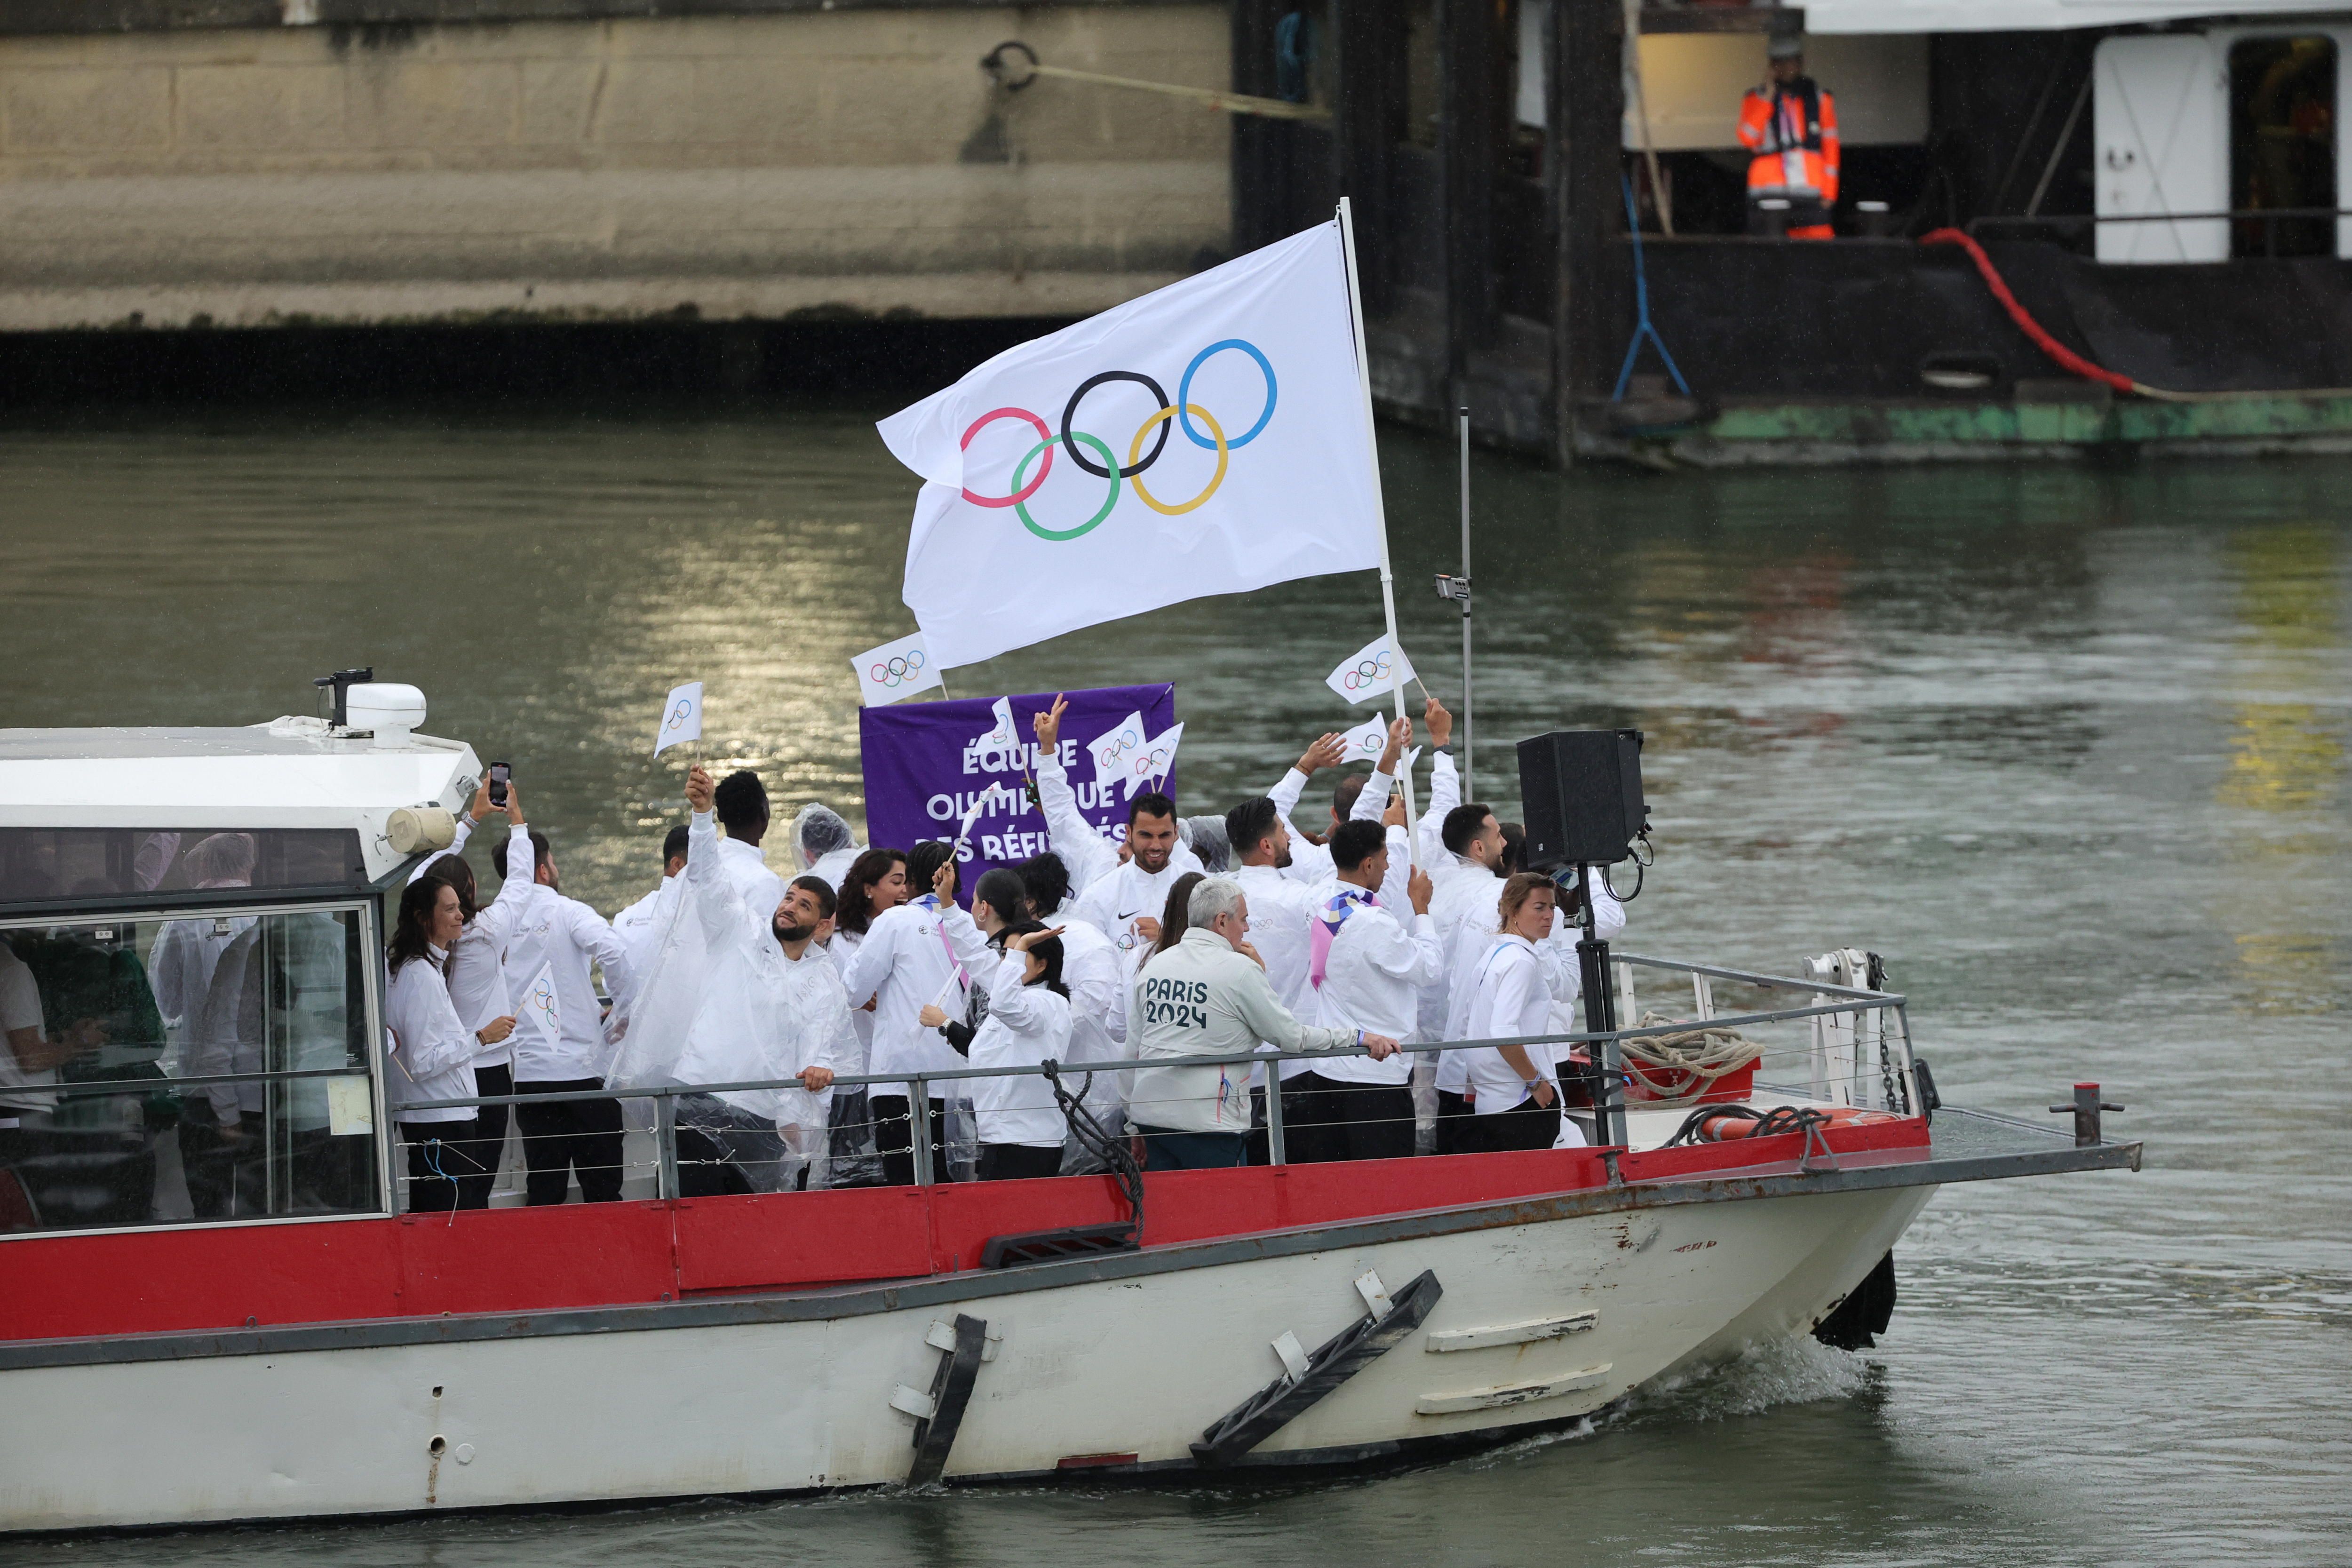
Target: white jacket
(1512, 993)
(431, 1051)
(563, 1038)
(903, 964)
(1382, 956)
(1027, 1024)
(477, 972)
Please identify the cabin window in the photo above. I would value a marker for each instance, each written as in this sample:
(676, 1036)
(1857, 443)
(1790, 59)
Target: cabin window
(2283, 145)
(191, 1067)
(45, 864)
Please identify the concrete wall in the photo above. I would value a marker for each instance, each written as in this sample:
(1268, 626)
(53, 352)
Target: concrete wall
(726, 167)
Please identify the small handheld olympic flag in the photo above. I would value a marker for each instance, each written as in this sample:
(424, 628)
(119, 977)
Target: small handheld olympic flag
(681, 717)
(1368, 740)
(895, 669)
(1002, 736)
(1154, 759)
(540, 1012)
(1364, 676)
(1114, 750)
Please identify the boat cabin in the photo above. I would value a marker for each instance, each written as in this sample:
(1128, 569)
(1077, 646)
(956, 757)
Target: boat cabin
(191, 942)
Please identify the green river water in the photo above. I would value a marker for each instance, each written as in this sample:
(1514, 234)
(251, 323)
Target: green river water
(2068, 747)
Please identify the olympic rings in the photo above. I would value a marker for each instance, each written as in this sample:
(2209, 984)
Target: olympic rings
(1179, 413)
(1018, 496)
(677, 714)
(1160, 419)
(1367, 673)
(1110, 500)
(898, 671)
(1185, 392)
(1119, 745)
(1070, 409)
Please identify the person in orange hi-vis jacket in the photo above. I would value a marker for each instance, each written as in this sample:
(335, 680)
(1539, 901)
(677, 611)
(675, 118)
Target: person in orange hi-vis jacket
(1789, 123)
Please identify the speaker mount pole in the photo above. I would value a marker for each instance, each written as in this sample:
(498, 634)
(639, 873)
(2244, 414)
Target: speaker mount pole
(1600, 1017)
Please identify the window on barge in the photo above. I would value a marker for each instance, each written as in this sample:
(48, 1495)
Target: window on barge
(188, 1064)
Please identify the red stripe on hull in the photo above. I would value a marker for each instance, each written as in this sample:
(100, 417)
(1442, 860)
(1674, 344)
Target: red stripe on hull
(520, 1260)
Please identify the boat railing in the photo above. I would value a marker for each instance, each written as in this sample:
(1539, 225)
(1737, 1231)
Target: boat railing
(1886, 1080)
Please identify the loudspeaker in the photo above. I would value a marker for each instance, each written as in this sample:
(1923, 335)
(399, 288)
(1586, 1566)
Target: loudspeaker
(1581, 790)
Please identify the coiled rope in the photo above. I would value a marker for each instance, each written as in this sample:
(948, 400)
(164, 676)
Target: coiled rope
(1688, 1063)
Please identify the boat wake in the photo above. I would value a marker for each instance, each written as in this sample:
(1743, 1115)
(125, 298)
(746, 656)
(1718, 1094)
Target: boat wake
(1796, 1371)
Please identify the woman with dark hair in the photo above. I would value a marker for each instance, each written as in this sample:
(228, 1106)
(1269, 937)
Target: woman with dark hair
(1022, 1127)
(907, 962)
(476, 975)
(877, 881)
(874, 884)
(1173, 917)
(431, 1052)
(1515, 1091)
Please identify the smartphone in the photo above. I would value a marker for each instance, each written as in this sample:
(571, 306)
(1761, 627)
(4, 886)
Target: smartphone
(499, 773)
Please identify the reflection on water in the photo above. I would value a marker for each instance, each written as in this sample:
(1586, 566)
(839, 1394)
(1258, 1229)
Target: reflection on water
(2286, 759)
(2067, 748)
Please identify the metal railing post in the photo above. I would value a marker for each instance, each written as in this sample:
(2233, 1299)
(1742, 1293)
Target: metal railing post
(666, 1145)
(1275, 1153)
(919, 1129)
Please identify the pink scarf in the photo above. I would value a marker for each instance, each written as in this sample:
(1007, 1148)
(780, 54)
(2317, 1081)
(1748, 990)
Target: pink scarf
(1326, 926)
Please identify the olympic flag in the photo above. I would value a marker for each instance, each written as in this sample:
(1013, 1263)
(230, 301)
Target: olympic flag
(681, 717)
(1365, 676)
(1211, 438)
(895, 669)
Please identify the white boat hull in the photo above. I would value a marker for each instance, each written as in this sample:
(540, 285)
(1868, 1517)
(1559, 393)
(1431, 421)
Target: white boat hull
(1093, 1370)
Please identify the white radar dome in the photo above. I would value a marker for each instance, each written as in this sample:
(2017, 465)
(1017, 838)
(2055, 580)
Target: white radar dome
(393, 711)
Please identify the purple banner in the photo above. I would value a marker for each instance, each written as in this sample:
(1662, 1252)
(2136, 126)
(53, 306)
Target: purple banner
(925, 761)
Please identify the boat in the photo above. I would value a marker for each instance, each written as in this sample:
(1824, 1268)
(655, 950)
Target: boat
(202, 1330)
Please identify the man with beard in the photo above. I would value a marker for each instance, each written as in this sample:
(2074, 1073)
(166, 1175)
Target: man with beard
(1122, 899)
(749, 1025)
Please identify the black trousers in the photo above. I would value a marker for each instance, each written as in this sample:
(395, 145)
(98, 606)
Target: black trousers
(1452, 1109)
(1164, 1148)
(227, 1178)
(582, 1135)
(1528, 1126)
(1018, 1162)
(1326, 1119)
(1257, 1148)
(894, 1134)
(489, 1141)
(440, 1159)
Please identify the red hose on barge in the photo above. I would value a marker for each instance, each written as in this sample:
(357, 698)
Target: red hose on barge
(2059, 352)
(2068, 359)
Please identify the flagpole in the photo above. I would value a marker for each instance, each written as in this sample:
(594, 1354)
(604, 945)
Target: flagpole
(1379, 506)
(1469, 728)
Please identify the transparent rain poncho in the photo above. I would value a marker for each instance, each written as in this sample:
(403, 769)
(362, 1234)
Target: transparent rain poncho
(819, 834)
(720, 1002)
